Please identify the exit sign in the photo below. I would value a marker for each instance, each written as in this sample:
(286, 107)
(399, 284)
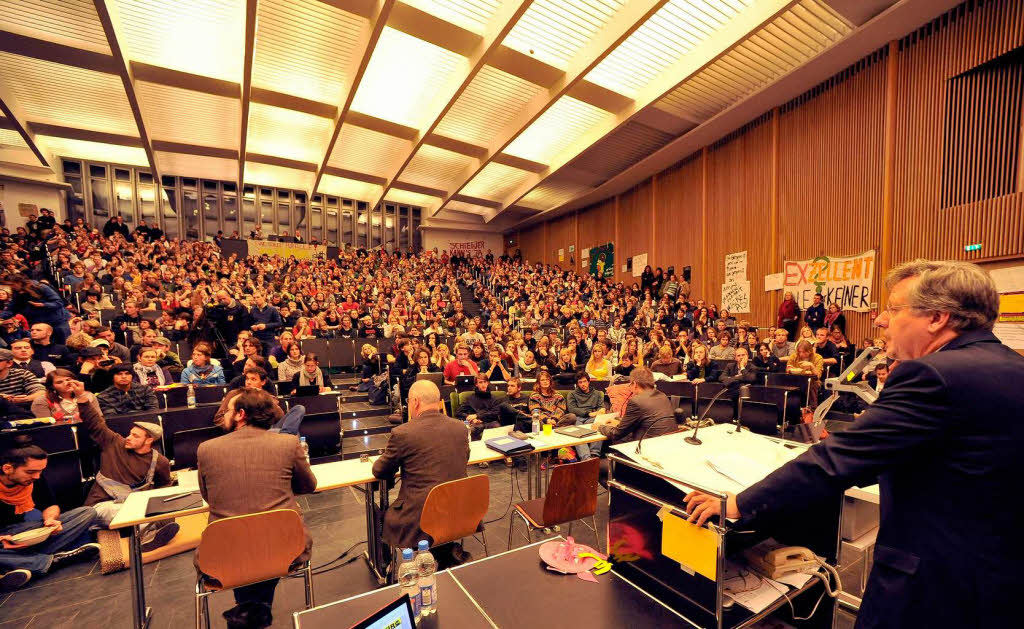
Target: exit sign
(975, 247)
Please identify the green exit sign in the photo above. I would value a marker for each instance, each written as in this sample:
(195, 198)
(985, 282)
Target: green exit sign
(975, 247)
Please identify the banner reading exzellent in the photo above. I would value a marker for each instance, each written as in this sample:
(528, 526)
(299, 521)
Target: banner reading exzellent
(846, 281)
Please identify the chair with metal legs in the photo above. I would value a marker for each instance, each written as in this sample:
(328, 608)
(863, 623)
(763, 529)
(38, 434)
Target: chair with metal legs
(248, 549)
(572, 495)
(455, 510)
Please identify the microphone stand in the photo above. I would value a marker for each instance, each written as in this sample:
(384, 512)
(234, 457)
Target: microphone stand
(692, 439)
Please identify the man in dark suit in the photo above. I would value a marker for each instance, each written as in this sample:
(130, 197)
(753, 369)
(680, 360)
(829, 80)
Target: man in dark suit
(648, 412)
(741, 369)
(429, 450)
(943, 441)
(250, 470)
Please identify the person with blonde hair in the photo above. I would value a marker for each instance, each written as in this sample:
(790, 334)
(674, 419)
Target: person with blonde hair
(599, 367)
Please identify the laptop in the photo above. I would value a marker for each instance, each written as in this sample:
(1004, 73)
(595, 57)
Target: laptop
(436, 377)
(576, 432)
(306, 390)
(509, 445)
(397, 615)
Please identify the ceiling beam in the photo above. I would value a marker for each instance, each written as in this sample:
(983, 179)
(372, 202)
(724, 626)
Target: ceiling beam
(379, 13)
(107, 15)
(163, 146)
(251, 7)
(499, 26)
(621, 25)
(739, 29)
(16, 120)
(57, 53)
(85, 135)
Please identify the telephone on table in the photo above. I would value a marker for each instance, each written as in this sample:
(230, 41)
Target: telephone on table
(780, 561)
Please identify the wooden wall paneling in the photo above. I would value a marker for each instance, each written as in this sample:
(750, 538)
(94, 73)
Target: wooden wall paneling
(774, 259)
(634, 227)
(531, 243)
(968, 36)
(738, 188)
(596, 227)
(830, 171)
(561, 233)
(677, 219)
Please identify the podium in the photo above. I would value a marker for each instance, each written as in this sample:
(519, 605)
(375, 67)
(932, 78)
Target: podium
(684, 566)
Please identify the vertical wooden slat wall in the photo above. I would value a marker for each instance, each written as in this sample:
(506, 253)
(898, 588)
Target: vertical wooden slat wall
(830, 200)
(830, 163)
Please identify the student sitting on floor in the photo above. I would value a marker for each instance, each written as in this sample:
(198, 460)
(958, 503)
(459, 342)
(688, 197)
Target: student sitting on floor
(26, 503)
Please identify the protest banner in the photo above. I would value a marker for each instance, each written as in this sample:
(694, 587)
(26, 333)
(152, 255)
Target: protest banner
(846, 281)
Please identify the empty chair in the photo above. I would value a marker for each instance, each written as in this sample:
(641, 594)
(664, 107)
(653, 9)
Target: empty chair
(248, 549)
(455, 510)
(572, 495)
(760, 417)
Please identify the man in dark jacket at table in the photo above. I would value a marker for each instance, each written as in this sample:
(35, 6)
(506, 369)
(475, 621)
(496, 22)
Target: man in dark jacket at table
(428, 450)
(648, 412)
(943, 441)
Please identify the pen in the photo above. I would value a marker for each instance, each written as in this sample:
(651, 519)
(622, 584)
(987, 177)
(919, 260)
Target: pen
(176, 496)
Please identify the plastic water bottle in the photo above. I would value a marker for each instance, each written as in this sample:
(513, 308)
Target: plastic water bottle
(408, 580)
(191, 398)
(535, 426)
(427, 566)
(305, 448)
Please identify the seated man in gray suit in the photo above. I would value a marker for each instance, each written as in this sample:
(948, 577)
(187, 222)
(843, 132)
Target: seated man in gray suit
(249, 470)
(648, 412)
(429, 450)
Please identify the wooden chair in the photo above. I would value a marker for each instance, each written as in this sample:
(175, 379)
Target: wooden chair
(455, 509)
(248, 549)
(572, 495)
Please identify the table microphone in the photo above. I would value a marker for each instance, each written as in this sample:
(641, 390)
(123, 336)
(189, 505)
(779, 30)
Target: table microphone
(692, 439)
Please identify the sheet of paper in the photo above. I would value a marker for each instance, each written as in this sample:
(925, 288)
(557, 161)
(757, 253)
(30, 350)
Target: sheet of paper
(749, 589)
(773, 281)
(694, 547)
(796, 579)
(738, 468)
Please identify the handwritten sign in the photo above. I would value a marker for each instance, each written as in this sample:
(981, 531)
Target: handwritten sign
(736, 296)
(475, 246)
(846, 281)
(639, 262)
(736, 266)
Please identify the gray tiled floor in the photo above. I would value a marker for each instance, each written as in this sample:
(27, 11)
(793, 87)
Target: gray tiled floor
(79, 596)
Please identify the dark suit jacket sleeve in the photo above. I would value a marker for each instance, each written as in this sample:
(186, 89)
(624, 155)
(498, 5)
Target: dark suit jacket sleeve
(151, 402)
(389, 462)
(911, 412)
(627, 423)
(303, 480)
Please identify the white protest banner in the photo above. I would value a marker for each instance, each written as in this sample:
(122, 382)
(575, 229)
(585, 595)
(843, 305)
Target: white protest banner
(736, 296)
(736, 266)
(773, 281)
(475, 246)
(846, 281)
(301, 251)
(639, 262)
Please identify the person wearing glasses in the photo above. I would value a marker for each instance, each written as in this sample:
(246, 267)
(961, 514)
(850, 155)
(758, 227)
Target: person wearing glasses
(943, 441)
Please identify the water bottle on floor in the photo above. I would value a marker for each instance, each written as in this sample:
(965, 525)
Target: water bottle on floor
(305, 448)
(408, 580)
(427, 566)
(535, 426)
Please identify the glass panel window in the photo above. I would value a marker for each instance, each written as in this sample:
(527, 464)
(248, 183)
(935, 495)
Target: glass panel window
(316, 220)
(169, 202)
(362, 219)
(249, 217)
(230, 214)
(332, 226)
(211, 210)
(301, 225)
(346, 226)
(267, 211)
(72, 167)
(284, 221)
(123, 196)
(100, 189)
(403, 228)
(389, 228)
(190, 211)
(416, 229)
(375, 227)
(97, 171)
(147, 204)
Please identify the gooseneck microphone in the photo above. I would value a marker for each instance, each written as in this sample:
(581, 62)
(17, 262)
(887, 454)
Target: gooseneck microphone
(692, 439)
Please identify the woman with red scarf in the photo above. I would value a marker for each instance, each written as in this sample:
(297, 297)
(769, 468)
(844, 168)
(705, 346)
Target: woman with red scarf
(789, 315)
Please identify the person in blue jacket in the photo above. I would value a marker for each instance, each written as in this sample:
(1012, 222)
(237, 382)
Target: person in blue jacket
(38, 303)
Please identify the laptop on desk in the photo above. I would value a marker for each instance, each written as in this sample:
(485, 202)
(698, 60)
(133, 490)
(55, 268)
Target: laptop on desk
(576, 432)
(306, 391)
(434, 376)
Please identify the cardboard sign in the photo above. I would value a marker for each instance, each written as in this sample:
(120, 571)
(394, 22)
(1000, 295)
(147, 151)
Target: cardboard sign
(846, 281)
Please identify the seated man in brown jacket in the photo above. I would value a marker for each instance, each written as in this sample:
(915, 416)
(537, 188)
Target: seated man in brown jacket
(648, 412)
(429, 450)
(250, 470)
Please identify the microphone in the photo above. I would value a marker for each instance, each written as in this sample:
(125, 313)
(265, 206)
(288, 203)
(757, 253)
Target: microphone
(692, 439)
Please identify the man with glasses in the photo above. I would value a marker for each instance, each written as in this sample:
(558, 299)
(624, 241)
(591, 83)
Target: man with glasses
(943, 441)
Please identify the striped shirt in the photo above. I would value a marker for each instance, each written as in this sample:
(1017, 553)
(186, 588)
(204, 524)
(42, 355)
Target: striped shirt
(19, 382)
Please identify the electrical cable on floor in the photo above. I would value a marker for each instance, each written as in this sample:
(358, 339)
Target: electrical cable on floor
(338, 558)
(511, 495)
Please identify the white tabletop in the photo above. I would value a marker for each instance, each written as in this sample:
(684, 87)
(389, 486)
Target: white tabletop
(334, 475)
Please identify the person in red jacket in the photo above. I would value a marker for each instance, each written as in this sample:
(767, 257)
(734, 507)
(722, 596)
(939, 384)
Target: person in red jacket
(789, 315)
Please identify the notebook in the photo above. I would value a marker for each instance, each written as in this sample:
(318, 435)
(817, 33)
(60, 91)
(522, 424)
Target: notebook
(576, 432)
(508, 445)
(158, 506)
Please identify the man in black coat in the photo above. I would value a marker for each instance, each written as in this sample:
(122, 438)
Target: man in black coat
(482, 407)
(943, 441)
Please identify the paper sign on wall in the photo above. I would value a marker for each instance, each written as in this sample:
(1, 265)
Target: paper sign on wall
(773, 281)
(736, 296)
(639, 262)
(561, 255)
(845, 281)
(572, 248)
(736, 266)
(585, 253)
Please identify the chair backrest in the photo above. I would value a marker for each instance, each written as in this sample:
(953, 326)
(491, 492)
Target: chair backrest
(455, 509)
(572, 492)
(760, 417)
(186, 445)
(250, 548)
